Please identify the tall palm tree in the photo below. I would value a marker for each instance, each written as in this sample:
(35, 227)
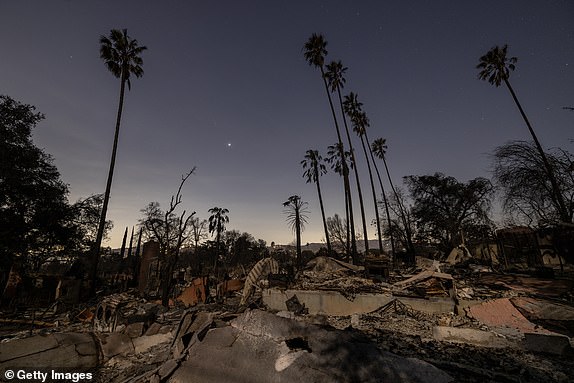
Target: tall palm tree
(337, 158)
(353, 108)
(495, 67)
(315, 50)
(217, 222)
(336, 79)
(379, 149)
(121, 55)
(314, 169)
(297, 218)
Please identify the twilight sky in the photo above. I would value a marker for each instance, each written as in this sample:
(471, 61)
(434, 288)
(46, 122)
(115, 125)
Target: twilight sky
(233, 72)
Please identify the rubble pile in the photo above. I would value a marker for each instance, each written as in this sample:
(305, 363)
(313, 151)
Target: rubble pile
(325, 273)
(435, 323)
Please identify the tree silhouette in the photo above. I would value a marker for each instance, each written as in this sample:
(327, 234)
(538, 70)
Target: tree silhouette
(170, 231)
(121, 55)
(297, 218)
(35, 216)
(123, 248)
(522, 179)
(353, 108)
(314, 169)
(315, 50)
(443, 207)
(335, 156)
(495, 67)
(336, 79)
(379, 148)
(217, 222)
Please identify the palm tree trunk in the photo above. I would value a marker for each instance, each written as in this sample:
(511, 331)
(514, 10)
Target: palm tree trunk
(322, 210)
(377, 218)
(346, 185)
(102, 223)
(217, 240)
(136, 261)
(298, 237)
(131, 244)
(347, 228)
(361, 205)
(385, 201)
(558, 198)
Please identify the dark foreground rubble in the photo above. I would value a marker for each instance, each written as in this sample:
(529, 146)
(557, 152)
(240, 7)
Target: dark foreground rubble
(333, 325)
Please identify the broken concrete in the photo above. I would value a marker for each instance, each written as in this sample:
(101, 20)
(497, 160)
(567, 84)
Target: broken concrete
(262, 347)
(67, 350)
(547, 343)
(116, 343)
(144, 343)
(552, 315)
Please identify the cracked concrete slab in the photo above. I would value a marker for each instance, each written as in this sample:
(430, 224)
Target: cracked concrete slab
(63, 350)
(262, 347)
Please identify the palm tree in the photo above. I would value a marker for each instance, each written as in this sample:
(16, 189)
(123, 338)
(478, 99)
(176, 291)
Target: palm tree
(297, 218)
(495, 68)
(353, 108)
(379, 149)
(336, 80)
(315, 50)
(337, 158)
(131, 244)
(123, 248)
(121, 55)
(314, 169)
(217, 222)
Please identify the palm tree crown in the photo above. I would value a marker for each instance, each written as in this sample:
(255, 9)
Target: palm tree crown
(353, 109)
(337, 161)
(313, 166)
(121, 55)
(315, 50)
(495, 67)
(336, 75)
(218, 219)
(296, 212)
(379, 147)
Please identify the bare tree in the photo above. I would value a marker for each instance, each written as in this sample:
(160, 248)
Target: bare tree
(401, 222)
(199, 231)
(520, 174)
(337, 227)
(170, 231)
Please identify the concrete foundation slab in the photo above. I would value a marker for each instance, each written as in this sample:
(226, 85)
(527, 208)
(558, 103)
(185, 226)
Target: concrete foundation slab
(68, 350)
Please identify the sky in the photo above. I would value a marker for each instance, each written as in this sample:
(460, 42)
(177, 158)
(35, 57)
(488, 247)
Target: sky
(226, 89)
